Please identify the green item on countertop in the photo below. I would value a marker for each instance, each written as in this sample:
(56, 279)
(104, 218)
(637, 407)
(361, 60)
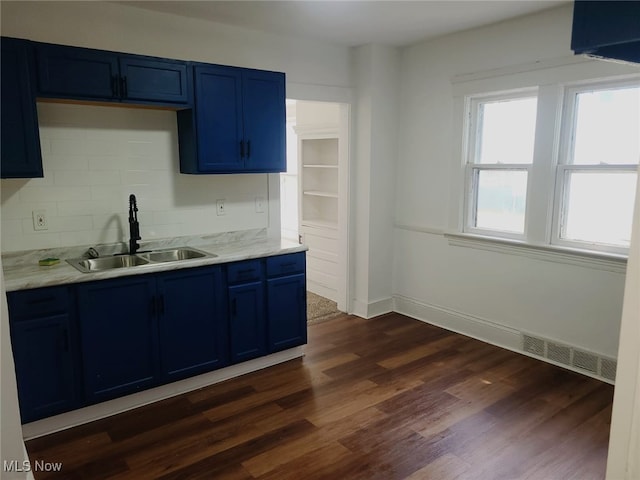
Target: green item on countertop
(47, 262)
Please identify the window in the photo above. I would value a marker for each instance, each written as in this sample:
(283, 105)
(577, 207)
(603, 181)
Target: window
(598, 167)
(500, 160)
(541, 177)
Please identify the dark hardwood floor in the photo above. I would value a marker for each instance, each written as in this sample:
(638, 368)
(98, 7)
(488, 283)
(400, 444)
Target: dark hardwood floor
(387, 398)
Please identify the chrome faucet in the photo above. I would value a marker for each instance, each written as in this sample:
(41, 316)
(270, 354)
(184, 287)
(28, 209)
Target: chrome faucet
(134, 226)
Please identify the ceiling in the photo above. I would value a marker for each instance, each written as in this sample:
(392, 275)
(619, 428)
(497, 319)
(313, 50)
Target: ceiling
(351, 23)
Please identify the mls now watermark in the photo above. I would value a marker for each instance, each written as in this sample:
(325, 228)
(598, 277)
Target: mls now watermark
(27, 466)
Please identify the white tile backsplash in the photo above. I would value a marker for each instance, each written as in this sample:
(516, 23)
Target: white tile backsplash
(94, 157)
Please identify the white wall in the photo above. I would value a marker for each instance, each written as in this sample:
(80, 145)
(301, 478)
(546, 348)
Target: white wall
(373, 177)
(472, 289)
(623, 461)
(95, 156)
(11, 445)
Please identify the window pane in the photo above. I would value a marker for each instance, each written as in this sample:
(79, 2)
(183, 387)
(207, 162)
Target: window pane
(507, 131)
(599, 207)
(607, 127)
(501, 200)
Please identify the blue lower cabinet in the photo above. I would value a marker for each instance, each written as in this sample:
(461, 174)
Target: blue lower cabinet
(287, 312)
(44, 344)
(247, 322)
(44, 365)
(79, 345)
(191, 313)
(119, 336)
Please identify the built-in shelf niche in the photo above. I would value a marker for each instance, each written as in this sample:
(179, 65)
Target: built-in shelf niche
(319, 181)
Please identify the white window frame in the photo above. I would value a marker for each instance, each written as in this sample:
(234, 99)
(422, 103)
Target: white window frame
(546, 176)
(564, 168)
(473, 169)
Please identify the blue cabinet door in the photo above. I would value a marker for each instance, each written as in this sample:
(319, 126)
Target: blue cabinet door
(87, 74)
(218, 121)
(287, 312)
(119, 336)
(77, 73)
(149, 80)
(237, 124)
(20, 155)
(264, 121)
(44, 364)
(247, 323)
(192, 323)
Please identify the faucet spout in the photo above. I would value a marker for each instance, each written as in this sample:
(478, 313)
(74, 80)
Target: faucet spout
(134, 226)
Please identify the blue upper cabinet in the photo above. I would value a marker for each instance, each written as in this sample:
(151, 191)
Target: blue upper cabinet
(87, 74)
(20, 139)
(609, 29)
(153, 80)
(237, 124)
(264, 121)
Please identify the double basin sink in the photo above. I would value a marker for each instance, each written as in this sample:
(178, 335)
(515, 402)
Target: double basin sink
(88, 265)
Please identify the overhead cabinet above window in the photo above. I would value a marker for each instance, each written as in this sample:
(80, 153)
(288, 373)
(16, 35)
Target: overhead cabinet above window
(237, 124)
(81, 73)
(609, 29)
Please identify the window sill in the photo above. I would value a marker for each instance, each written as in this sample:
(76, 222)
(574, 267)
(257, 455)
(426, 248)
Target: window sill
(551, 253)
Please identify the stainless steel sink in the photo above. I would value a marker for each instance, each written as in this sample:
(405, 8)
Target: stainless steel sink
(88, 265)
(107, 263)
(175, 254)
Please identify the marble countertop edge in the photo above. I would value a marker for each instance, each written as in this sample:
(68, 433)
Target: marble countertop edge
(22, 272)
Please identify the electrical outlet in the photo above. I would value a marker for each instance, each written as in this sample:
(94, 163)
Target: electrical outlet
(220, 207)
(40, 220)
(259, 204)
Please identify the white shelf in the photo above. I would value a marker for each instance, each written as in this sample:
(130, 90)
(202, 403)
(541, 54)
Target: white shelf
(321, 166)
(316, 222)
(321, 193)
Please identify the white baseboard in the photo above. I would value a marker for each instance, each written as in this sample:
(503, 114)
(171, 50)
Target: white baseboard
(459, 322)
(372, 309)
(122, 404)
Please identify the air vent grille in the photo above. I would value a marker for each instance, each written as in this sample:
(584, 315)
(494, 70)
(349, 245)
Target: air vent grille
(608, 368)
(585, 361)
(559, 353)
(533, 345)
(567, 355)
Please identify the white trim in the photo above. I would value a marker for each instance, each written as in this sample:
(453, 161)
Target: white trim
(463, 323)
(122, 404)
(570, 69)
(420, 229)
(474, 327)
(549, 253)
(372, 309)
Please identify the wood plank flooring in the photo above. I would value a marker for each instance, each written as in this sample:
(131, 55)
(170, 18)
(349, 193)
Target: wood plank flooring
(387, 398)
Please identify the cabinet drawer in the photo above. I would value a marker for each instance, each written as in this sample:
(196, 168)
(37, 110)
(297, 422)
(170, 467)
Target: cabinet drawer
(244, 271)
(36, 302)
(285, 264)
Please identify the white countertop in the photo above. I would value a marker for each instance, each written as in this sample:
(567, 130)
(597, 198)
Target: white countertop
(21, 269)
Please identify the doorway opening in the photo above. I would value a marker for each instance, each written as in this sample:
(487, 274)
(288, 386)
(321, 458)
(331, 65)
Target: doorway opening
(314, 193)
